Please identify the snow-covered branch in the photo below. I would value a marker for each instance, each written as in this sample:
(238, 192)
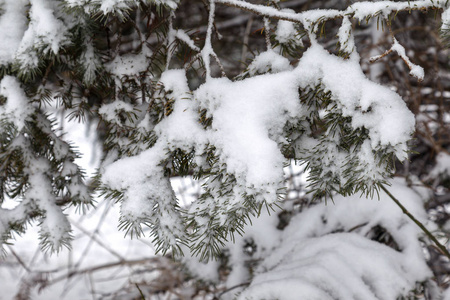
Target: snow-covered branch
(150, 83)
(360, 10)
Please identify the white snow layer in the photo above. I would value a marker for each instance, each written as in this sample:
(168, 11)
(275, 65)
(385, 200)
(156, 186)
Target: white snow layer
(445, 20)
(44, 29)
(111, 6)
(16, 109)
(371, 105)
(13, 23)
(248, 119)
(326, 253)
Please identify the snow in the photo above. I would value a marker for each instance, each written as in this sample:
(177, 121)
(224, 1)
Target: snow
(415, 70)
(445, 20)
(13, 22)
(355, 94)
(44, 28)
(110, 112)
(248, 117)
(362, 10)
(181, 128)
(17, 109)
(269, 61)
(345, 36)
(325, 252)
(129, 64)
(286, 31)
(183, 36)
(112, 6)
(207, 49)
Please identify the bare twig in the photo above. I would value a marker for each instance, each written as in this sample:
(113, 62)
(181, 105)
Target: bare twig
(378, 57)
(233, 287)
(441, 247)
(98, 241)
(70, 274)
(246, 39)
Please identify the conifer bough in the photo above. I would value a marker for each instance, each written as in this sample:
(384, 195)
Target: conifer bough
(126, 63)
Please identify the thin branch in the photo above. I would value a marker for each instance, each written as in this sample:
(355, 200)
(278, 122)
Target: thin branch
(187, 66)
(70, 274)
(97, 229)
(264, 11)
(246, 39)
(207, 48)
(378, 57)
(321, 15)
(441, 247)
(234, 287)
(267, 33)
(222, 69)
(140, 291)
(415, 70)
(93, 236)
(21, 262)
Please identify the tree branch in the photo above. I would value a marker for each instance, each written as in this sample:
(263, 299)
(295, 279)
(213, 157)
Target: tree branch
(309, 17)
(424, 229)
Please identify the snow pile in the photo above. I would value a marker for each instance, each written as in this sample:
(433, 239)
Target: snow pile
(442, 166)
(45, 32)
(370, 105)
(247, 125)
(268, 61)
(287, 33)
(129, 64)
(13, 23)
(326, 252)
(16, 109)
(345, 36)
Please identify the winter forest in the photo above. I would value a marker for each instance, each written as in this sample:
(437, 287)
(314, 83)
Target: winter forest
(224, 149)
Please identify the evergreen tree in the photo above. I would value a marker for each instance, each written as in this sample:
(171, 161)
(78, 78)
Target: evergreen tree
(169, 103)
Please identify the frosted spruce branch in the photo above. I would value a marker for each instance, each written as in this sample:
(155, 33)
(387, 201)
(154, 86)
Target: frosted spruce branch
(234, 135)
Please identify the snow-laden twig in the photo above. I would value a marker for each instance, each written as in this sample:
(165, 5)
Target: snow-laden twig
(360, 10)
(207, 48)
(267, 33)
(414, 70)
